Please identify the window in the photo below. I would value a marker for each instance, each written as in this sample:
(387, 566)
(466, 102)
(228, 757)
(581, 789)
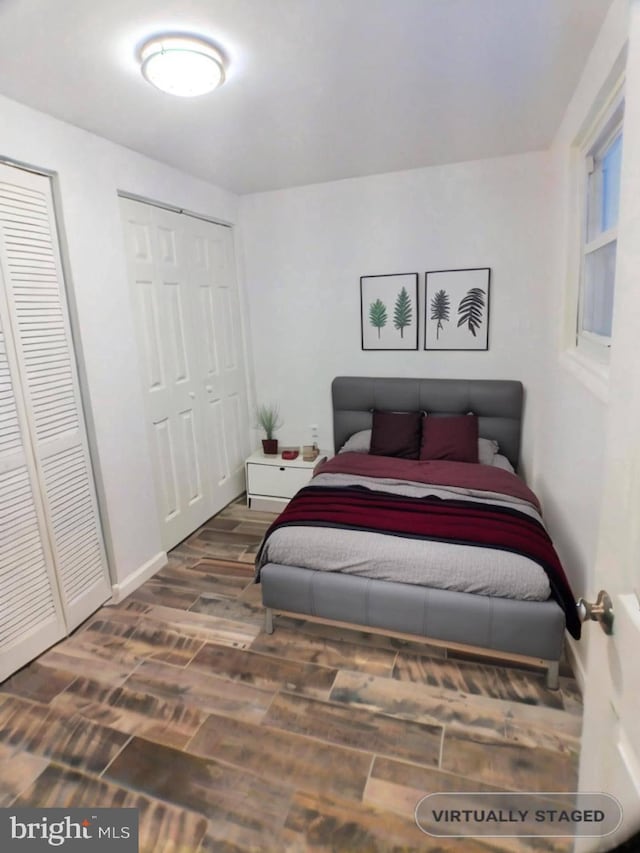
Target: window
(602, 158)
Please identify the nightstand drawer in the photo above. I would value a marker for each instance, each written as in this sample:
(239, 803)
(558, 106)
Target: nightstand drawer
(276, 481)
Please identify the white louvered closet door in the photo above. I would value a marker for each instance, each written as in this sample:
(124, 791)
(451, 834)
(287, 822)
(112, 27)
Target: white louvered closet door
(31, 617)
(45, 378)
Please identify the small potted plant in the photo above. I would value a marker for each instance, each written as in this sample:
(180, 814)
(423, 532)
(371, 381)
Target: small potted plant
(268, 417)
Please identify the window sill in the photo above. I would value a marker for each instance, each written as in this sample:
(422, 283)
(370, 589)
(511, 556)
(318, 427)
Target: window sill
(592, 374)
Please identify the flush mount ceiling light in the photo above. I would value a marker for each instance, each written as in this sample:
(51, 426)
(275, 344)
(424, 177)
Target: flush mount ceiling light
(182, 65)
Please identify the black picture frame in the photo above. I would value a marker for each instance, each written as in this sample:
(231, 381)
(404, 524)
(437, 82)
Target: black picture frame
(456, 309)
(389, 311)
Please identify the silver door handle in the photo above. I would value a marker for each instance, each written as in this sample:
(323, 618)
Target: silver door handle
(601, 611)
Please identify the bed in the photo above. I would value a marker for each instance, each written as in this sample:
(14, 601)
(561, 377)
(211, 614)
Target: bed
(446, 551)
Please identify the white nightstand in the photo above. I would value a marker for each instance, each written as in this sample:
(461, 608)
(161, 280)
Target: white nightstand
(272, 481)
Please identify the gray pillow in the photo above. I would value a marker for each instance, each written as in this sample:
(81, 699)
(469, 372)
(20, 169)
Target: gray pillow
(359, 442)
(487, 449)
(502, 462)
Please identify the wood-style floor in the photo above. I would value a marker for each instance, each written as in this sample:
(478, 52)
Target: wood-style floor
(311, 739)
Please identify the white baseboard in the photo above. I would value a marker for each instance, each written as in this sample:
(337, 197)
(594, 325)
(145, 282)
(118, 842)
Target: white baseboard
(119, 591)
(575, 661)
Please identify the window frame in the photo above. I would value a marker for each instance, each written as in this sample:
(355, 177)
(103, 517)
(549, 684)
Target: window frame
(601, 133)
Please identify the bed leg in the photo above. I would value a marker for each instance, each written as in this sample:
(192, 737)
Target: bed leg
(552, 675)
(268, 621)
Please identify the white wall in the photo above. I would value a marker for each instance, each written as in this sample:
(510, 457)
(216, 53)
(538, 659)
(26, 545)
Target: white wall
(90, 171)
(305, 249)
(568, 470)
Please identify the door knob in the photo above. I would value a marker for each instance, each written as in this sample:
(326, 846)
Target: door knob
(601, 611)
(192, 394)
(209, 388)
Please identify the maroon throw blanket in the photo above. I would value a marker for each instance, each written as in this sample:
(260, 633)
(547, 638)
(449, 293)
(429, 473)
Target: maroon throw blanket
(453, 521)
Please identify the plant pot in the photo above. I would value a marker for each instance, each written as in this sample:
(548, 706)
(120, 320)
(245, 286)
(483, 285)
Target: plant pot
(270, 446)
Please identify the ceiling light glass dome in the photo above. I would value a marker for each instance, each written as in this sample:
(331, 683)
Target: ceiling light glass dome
(182, 65)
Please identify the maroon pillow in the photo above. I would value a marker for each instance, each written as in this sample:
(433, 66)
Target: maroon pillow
(396, 434)
(452, 438)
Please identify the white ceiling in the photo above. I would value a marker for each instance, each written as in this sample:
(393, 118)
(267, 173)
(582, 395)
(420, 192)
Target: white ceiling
(317, 89)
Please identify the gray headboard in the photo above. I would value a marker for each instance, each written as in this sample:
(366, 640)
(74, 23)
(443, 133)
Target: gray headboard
(497, 402)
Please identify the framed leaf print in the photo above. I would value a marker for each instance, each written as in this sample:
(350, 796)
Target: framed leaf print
(457, 309)
(389, 311)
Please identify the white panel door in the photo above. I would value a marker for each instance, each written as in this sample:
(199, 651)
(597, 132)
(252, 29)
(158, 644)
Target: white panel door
(46, 371)
(164, 309)
(218, 335)
(610, 755)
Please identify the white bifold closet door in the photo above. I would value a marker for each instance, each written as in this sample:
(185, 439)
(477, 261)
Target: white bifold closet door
(53, 571)
(188, 321)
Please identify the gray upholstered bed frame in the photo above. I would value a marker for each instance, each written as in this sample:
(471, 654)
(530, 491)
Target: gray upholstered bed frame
(533, 629)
